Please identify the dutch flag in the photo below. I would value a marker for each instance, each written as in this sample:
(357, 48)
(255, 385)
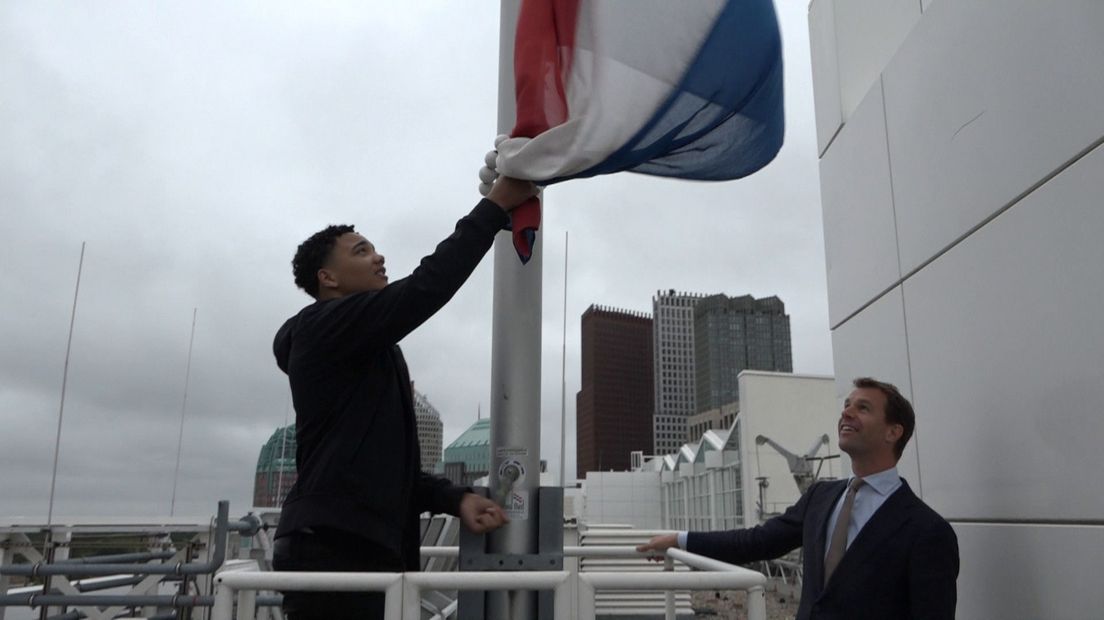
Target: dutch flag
(685, 89)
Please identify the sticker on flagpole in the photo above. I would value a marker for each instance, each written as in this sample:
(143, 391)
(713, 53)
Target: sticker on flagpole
(516, 506)
(511, 475)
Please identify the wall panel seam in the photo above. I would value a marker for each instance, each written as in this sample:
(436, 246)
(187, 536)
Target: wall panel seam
(831, 140)
(1030, 522)
(1096, 144)
(904, 311)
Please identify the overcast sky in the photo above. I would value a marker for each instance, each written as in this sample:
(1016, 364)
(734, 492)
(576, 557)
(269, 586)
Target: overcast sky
(194, 145)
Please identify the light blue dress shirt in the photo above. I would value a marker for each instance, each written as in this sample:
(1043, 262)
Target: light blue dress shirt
(868, 499)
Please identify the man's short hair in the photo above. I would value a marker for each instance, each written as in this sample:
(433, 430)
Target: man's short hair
(898, 410)
(313, 254)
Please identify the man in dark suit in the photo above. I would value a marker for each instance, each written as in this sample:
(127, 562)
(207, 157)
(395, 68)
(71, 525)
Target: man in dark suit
(872, 548)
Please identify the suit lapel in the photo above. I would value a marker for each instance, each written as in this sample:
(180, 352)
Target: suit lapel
(889, 518)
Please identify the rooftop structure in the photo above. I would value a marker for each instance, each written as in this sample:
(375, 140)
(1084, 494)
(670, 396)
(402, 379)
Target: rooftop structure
(729, 478)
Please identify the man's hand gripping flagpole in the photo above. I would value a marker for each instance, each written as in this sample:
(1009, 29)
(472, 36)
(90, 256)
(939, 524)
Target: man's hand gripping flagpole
(525, 219)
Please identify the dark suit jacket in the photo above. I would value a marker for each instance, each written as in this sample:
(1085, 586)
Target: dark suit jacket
(903, 563)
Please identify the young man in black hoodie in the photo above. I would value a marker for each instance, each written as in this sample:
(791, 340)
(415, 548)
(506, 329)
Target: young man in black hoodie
(360, 488)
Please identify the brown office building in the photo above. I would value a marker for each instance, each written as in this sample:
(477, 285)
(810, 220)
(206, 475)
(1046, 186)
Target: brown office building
(613, 410)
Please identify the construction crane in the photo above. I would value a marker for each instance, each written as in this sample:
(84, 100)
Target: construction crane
(801, 466)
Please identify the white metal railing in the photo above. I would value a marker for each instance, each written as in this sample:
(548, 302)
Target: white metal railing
(402, 591)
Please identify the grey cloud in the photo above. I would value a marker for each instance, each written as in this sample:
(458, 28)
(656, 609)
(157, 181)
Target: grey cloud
(194, 145)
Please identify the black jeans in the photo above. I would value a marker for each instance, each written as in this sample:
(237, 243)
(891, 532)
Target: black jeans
(329, 550)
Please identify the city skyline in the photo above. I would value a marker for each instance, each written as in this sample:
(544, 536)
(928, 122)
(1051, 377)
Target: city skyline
(700, 342)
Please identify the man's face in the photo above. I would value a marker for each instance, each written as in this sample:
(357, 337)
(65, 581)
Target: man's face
(862, 425)
(354, 266)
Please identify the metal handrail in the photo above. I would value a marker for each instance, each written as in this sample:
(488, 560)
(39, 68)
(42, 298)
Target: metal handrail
(596, 551)
(725, 576)
(143, 556)
(402, 591)
(248, 525)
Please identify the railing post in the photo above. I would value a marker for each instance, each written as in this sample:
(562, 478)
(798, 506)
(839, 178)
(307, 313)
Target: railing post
(411, 600)
(59, 539)
(562, 597)
(247, 604)
(5, 556)
(757, 604)
(223, 609)
(586, 597)
(669, 595)
(200, 546)
(393, 604)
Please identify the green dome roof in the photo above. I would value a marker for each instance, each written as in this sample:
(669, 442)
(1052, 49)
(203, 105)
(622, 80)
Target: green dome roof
(478, 434)
(472, 447)
(278, 453)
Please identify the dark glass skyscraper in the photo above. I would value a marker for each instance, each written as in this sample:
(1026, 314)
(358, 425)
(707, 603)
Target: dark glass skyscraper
(613, 409)
(732, 334)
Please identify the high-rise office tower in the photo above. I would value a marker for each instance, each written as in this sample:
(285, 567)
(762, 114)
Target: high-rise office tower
(613, 409)
(732, 334)
(673, 367)
(430, 430)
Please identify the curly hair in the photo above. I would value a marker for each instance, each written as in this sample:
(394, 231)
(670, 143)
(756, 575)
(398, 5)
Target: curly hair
(312, 255)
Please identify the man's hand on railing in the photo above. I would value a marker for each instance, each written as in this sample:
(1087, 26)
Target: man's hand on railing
(481, 515)
(658, 545)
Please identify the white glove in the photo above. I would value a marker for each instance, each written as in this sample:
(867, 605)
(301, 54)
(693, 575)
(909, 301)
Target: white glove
(488, 173)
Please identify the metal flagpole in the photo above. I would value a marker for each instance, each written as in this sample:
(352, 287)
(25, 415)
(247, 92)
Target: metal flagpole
(563, 375)
(515, 370)
(183, 408)
(64, 382)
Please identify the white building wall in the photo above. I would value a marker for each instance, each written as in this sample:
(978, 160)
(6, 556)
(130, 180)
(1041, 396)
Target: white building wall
(792, 410)
(851, 41)
(963, 223)
(622, 497)
(715, 486)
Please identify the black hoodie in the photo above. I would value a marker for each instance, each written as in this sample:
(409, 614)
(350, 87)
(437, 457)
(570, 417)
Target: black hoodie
(357, 453)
